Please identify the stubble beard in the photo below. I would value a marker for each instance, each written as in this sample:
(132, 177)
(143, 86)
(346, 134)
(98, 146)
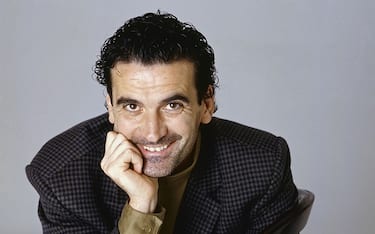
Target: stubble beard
(157, 167)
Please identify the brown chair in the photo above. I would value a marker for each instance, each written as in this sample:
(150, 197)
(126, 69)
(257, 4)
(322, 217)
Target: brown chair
(295, 219)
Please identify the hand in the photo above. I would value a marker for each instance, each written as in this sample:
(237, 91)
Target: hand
(123, 162)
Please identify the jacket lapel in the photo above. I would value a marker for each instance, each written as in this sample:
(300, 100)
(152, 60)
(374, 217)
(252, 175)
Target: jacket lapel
(200, 208)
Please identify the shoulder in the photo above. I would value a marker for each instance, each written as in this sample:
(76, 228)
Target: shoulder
(70, 145)
(231, 133)
(240, 151)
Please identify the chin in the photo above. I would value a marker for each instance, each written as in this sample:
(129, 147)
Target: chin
(156, 172)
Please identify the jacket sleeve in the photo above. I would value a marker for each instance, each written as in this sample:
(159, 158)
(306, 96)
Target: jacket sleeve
(281, 194)
(55, 218)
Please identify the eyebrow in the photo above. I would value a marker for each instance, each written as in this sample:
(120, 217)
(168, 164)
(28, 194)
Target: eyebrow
(175, 97)
(124, 100)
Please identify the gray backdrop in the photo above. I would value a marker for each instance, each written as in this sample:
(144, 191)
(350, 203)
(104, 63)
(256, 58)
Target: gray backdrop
(300, 69)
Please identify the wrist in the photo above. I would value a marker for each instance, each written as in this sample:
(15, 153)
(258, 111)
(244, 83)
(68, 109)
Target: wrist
(144, 206)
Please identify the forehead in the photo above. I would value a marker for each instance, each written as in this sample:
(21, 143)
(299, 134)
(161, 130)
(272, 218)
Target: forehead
(137, 78)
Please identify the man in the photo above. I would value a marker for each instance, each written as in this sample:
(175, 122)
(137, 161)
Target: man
(159, 161)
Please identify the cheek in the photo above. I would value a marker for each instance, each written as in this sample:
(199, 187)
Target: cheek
(186, 126)
(124, 126)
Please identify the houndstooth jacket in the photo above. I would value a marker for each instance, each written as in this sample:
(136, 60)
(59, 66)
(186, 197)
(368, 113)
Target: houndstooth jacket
(241, 183)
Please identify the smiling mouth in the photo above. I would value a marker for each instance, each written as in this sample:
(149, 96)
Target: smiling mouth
(154, 148)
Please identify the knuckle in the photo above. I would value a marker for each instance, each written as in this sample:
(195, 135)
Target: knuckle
(111, 170)
(103, 164)
(110, 135)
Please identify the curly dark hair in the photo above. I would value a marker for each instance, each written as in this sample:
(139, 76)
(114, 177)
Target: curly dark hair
(159, 38)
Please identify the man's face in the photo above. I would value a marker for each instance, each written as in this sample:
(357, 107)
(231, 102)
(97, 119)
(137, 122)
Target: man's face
(156, 108)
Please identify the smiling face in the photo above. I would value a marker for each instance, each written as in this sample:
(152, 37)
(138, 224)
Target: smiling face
(156, 108)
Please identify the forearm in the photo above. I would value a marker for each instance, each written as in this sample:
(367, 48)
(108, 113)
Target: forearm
(56, 217)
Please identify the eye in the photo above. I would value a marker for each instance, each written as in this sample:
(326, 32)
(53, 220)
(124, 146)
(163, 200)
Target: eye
(174, 107)
(131, 107)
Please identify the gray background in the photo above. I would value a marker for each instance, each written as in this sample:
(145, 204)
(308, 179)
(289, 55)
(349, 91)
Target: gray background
(300, 69)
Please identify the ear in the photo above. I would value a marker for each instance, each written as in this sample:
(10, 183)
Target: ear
(108, 101)
(208, 106)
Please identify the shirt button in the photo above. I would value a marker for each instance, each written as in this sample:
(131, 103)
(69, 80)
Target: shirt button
(147, 228)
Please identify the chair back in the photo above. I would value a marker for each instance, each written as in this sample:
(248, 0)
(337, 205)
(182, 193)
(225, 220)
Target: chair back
(294, 220)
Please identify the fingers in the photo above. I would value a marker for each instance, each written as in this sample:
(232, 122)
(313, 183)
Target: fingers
(112, 141)
(121, 154)
(137, 162)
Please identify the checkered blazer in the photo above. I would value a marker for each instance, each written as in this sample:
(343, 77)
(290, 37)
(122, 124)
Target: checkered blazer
(241, 183)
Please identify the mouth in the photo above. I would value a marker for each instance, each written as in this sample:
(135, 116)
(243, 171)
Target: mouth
(155, 148)
(158, 151)
(161, 149)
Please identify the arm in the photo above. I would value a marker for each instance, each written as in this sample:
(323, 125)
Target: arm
(123, 163)
(281, 194)
(55, 218)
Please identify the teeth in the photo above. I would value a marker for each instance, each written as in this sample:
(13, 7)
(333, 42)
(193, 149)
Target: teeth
(155, 149)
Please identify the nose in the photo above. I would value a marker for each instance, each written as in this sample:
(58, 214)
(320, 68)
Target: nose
(154, 127)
